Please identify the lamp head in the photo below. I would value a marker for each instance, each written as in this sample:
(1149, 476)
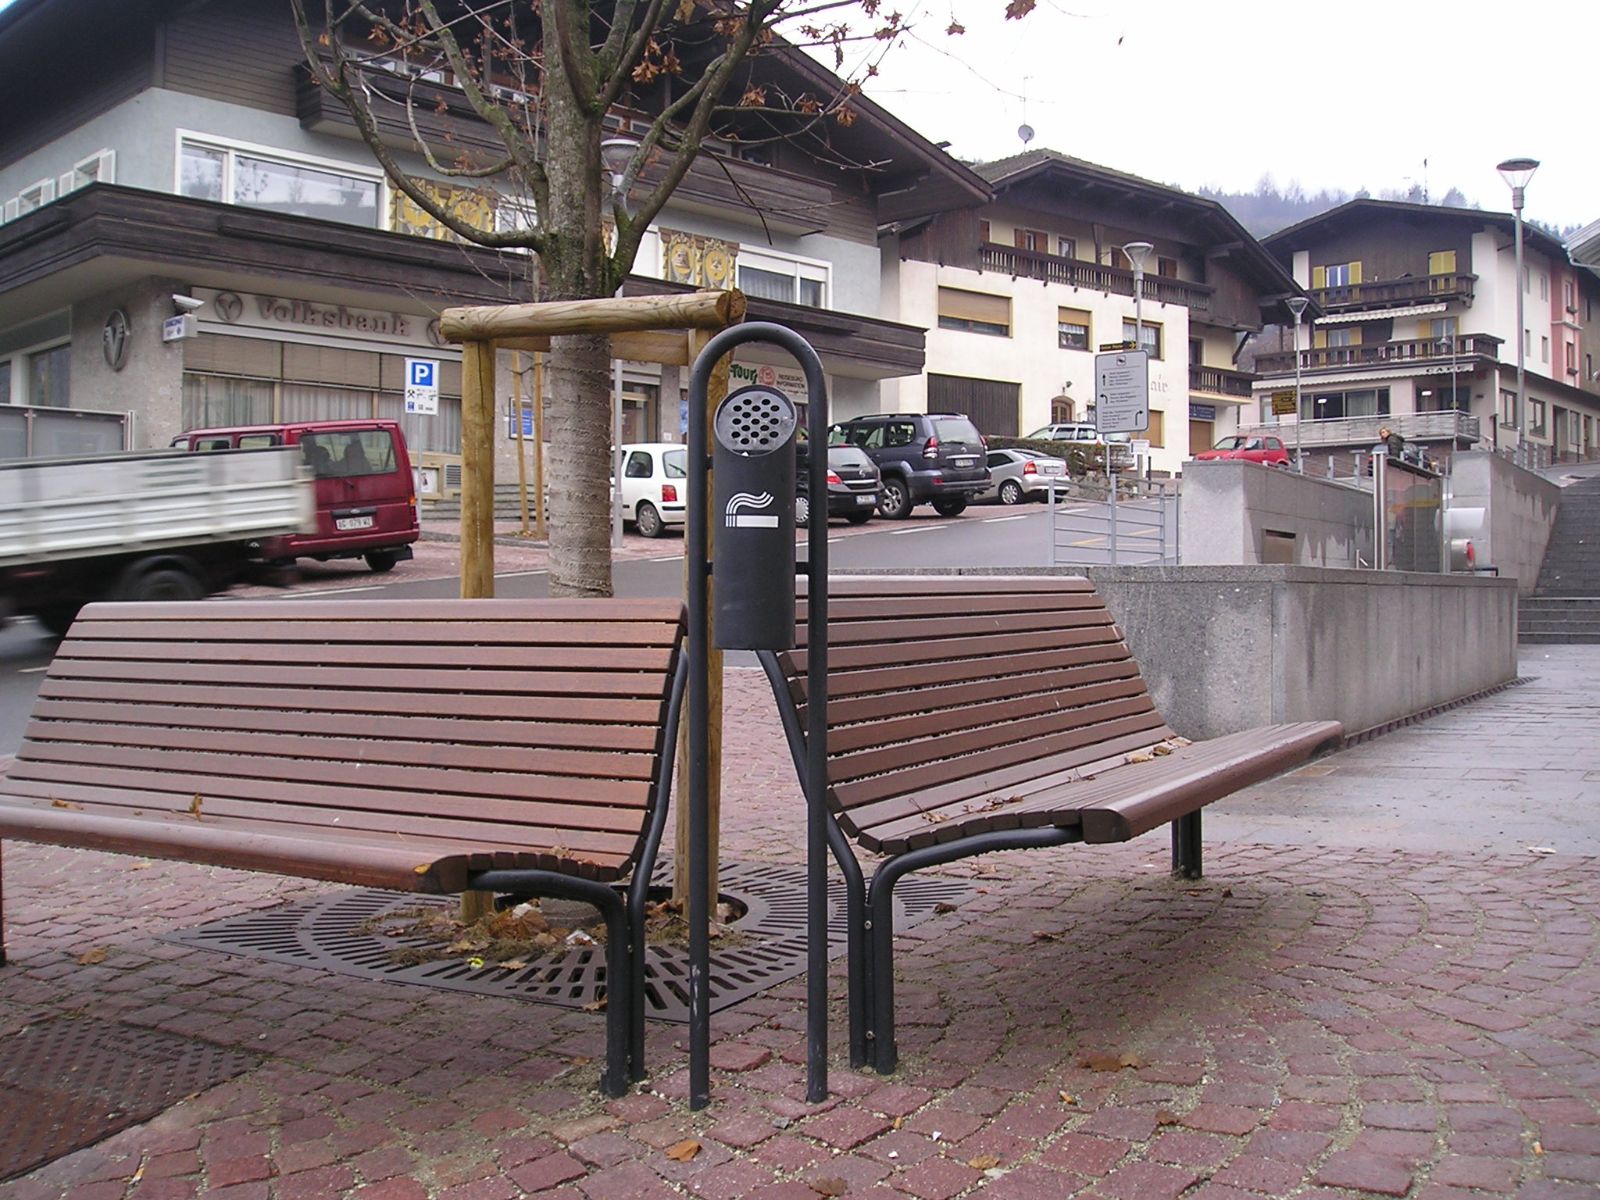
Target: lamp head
(1517, 171)
(1137, 253)
(1297, 306)
(615, 155)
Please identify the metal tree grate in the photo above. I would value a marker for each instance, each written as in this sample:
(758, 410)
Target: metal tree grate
(771, 947)
(67, 1083)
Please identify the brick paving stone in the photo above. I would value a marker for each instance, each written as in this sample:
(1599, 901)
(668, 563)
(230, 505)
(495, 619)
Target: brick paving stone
(495, 1187)
(1085, 1155)
(1365, 1173)
(1253, 1173)
(1222, 1118)
(1480, 1174)
(846, 1127)
(1582, 1167)
(936, 1179)
(392, 1189)
(547, 1172)
(1032, 1182)
(1146, 1181)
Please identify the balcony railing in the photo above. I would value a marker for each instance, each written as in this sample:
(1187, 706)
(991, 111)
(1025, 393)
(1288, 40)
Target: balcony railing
(1220, 381)
(1395, 293)
(1053, 268)
(1433, 351)
(1448, 425)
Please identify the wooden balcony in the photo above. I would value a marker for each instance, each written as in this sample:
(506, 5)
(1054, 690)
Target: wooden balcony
(1052, 268)
(1433, 351)
(1220, 381)
(1396, 293)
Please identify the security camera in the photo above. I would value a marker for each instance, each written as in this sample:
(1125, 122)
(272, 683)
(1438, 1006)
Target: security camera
(186, 304)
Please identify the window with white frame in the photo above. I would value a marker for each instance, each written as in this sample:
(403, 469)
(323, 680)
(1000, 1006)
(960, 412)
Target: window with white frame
(770, 276)
(1149, 335)
(258, 178)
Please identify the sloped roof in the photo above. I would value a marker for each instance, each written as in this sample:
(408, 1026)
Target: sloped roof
(1353, 213)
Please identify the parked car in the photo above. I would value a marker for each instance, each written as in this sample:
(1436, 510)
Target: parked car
(925, 458)
(1016, 475)
(1252, 448)
(854, 482)
(366, 495)
(655, 486)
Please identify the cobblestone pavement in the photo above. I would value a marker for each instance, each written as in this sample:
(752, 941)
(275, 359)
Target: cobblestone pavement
(1321, 1016)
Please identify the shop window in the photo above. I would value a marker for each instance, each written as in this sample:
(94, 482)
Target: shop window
(1149, 335)
(1073, 328)
(257, 178)
(974, 312)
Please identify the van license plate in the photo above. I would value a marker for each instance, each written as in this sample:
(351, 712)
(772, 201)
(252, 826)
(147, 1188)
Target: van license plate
(353, 523)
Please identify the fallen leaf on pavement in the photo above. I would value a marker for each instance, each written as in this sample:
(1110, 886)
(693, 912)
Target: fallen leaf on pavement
(1165, 1116)
(829, 1185)
(944, 906)
(599, 1006)
(1068, 1098)
(984, 1162)
(1094, 1060)
(90, 957)
(683, 1151)
(1044, 935)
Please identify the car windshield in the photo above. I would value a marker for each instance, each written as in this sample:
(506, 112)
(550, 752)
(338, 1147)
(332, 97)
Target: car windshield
(675, 464)
(956, 429)
(1231, 443)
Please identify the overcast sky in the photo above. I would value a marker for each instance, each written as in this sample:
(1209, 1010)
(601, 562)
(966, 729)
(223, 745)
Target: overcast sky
(1220, 92)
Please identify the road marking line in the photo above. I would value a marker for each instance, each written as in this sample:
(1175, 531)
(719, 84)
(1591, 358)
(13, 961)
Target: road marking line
(917, 529)
(31, 670)
(997, 520)
(371, 587)
(519, 574)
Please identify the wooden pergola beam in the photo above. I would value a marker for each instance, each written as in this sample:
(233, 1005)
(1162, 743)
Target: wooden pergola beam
(619, 314)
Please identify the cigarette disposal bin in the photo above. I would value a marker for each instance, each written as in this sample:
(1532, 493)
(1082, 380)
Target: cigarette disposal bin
(753, 467)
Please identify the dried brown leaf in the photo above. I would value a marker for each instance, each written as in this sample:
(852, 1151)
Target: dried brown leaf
(1131, 1060)
(1044, 935)
(984, 1162)
(683, 1151)
(944, 906)
(1068, 1098)
(65, 804)
(1140, 757)
(1094, 1060)
(90, 957)
(829, 1185)
(512, 964)
(194, 806)
(599, 1006)
(1165, 1116)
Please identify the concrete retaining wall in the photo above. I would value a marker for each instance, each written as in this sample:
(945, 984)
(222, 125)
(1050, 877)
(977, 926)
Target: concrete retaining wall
(1241, 512)
(1228, 648)
(1519, 512)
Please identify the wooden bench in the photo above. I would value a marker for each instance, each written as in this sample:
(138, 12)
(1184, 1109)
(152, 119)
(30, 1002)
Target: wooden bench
(511, 746)
(970, 714)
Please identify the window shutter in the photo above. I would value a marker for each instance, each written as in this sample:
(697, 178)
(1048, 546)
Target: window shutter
(1355, 333)
(1319, 338)
(1019, 238)
(1442, 262)
(66, 181)
(1319, 277)
(1355, 272)
(975, 306)
(12, 208)
(108, 167)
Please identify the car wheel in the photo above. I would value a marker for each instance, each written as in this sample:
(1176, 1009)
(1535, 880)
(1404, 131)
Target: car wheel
(381, 561)
(859, 518)
(950, 506)
(164, 583)
(1011, 492)
(648, 520)
(802, 511)
(894, 501)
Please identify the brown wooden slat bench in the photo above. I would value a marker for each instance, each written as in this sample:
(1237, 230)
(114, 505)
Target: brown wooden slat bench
(513, 746)
(970, 714)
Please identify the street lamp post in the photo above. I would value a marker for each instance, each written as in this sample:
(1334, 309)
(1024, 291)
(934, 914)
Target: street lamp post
(1137, 253)
(1516, 172)
(1297, 307)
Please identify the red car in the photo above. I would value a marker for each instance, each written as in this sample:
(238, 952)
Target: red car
(1268, 450)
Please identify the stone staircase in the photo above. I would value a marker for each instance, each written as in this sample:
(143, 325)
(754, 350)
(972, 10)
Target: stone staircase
(1565, 605)
(507, 506)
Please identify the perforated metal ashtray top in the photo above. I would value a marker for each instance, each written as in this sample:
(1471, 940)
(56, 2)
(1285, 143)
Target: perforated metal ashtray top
(771, 946)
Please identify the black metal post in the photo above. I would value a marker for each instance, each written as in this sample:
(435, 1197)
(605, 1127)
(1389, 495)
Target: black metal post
(699, 712)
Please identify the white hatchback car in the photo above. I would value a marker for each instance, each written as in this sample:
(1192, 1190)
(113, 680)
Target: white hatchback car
(655, 485)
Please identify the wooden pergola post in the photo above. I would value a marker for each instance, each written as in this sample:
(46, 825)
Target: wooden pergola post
(642, 329)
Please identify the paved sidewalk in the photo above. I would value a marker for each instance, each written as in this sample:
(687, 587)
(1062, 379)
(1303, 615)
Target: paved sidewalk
(1322, 1016)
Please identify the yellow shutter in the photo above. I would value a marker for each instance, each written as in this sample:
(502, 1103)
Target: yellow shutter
(1355, 272)
(1355, 331)
(975, 306)
(1442, 262)
(1319, 277)
(1319, 337)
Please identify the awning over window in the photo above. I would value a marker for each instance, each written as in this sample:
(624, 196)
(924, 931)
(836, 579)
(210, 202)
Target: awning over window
(1381, 314)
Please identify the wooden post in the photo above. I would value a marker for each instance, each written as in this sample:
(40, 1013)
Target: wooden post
(716, 392)
(538, 447)
(522, 450)
(477, 510)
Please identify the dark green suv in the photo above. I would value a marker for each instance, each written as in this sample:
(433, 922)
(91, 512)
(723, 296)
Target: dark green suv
(926, 458)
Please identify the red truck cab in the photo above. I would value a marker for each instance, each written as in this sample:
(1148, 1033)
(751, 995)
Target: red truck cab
(366, 494)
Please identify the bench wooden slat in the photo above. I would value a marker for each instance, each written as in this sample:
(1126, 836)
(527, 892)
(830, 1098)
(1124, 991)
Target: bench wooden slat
(530, 710)
(284, 612)
(859, 608)
(844, 632)
(877, 680)
(939, 586)
(848, 767)
(1078, 631)
(887, 704)
(385, 745)
(431, 637)
(608, 834)
(397, 678)
(356, 658)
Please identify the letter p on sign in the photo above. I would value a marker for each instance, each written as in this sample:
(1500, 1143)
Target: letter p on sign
(422, 386)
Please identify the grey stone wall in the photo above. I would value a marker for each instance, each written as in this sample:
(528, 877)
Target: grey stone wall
(150, 382)
(1241, 512)
(1519, 509)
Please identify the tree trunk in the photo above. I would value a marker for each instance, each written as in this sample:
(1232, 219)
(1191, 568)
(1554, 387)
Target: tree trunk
(579, 414)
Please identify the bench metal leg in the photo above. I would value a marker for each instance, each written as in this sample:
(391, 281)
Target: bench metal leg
(620, 982)
(883, 1055)
(1186, 862)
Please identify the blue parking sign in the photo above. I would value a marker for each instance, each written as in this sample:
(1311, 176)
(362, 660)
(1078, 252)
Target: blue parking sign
(422, 386)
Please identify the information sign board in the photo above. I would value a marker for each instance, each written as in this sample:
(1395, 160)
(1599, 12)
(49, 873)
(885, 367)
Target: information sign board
(1122, 391)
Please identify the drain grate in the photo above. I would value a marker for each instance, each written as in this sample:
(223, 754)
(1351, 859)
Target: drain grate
(771, 948)
(67, 1083)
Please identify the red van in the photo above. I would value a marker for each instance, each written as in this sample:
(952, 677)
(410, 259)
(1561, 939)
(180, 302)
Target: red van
(366, 493)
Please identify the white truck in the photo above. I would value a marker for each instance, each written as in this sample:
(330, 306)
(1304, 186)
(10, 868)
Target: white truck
(162, 525)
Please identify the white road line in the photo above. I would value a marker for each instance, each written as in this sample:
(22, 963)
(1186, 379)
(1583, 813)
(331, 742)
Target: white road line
(518, 574)
(997, 520)
(31, 670)
(919, 529)
(312, 595)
